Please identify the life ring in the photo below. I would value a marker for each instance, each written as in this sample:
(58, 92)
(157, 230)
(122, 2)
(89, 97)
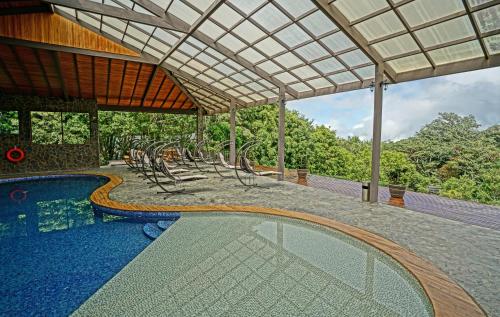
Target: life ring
(18, 195)
(15, 155)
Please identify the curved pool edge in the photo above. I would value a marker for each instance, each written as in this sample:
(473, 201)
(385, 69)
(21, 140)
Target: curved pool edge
(446, 296)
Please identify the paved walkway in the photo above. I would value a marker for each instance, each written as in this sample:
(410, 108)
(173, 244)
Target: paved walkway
(464, 211)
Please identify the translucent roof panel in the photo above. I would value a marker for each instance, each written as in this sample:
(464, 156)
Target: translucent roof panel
(455, 53)
(270, 18)
(355, 9)
(396, 46)
(296, 8)
(380, 26)
(183, 11)
(409, 63)
(419, 12)
(493, 44)
(445, 32)
(488, 19)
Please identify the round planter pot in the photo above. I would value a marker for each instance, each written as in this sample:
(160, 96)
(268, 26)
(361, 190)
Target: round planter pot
(397, 191)
(302, 173)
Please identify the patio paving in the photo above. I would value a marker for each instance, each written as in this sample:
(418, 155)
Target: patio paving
(468, 254)
(482, 215)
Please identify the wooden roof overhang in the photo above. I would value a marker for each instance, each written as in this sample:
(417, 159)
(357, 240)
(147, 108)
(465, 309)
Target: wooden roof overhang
(77, 63)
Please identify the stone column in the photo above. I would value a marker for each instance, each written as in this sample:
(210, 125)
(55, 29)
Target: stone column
(281, 134)
(377, 132)
(232, 132)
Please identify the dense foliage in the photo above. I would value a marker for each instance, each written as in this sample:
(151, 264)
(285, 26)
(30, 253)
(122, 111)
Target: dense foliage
(450, 152)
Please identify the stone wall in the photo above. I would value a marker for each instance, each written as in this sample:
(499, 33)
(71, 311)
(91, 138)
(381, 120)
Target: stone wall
(48, 157)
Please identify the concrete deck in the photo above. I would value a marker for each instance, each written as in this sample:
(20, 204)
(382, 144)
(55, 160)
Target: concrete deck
(467, 253)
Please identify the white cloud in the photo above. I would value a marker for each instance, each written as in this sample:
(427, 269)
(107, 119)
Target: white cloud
(409, 106)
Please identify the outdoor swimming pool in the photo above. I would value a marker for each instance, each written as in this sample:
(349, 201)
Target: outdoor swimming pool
(235, 264)
(54, 252)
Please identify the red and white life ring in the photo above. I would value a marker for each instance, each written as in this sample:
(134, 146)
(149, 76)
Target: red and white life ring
(15, 155)
(18, 195)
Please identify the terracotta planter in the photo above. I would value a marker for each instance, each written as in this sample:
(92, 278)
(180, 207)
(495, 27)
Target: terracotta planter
(397, 191)
(302, 175)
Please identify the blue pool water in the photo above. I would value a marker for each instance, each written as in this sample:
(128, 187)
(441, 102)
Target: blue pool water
(54, 251)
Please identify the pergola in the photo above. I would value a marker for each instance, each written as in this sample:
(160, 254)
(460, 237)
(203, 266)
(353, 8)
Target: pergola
(215, 56)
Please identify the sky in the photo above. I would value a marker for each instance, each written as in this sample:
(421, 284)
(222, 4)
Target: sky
(408, 106)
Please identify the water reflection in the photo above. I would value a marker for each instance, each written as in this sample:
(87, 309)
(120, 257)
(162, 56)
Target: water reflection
(255, 265)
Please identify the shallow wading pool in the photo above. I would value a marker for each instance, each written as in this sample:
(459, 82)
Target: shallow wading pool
(54, 251)
(236, 264)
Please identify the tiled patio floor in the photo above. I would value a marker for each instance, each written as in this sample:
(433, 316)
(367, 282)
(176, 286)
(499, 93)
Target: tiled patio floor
(467, 212)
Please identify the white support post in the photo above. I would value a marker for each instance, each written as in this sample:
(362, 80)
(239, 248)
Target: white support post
(281, 134)
(377, 131)
(232, 132)
(199, 125)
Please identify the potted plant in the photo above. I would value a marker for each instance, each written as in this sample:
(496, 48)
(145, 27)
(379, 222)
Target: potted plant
(397, 183)
(302, 170)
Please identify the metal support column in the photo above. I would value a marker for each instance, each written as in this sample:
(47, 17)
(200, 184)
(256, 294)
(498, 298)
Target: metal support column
(281, 134)
(377, 131)
(232, 132)
(200, 125)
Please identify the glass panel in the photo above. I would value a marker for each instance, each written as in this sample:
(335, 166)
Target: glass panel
(318, 23)
(268, 94)
(249, 32)
(223, 68)
(251, 55)
(172, 62)
(312, 51)
(214, 74)
(201, 5)
(180, 57)
(297, 7)
(270, 18)
(445, 32)
(366, 72)
(229, 82)
(148, 29)
(211, 29)
(158, 45)
(300, 87)
(141, 36)
(89, 19)
(488, 19)
(117, 23)
(456, 53)
(206, 79)
(422, 11)
(165, 36)
(244, 90)
(247, 6)
(151, 51)
(293, 35)
(183, 12)
(270, 47)
(337, 42)
(69, 11)
(162, 3)
(305, 72)
(288, 60)
(493, 44)
(396, 46)
(127, 39)
(409, 63)
(329, 65)
(285, 78)
(380, 26)
(206, 59)
(234, 65)
(255, 86)
(189, 50)
(231, 42)
(319, 83)
(109, 30)
(242, 79)
(226, 16)
(343, 78)
(196, 65)
(355, 9)
(354, 58)
(475, 3)
(270, 67)
(189, 70)
(198, 44)
(140, 9)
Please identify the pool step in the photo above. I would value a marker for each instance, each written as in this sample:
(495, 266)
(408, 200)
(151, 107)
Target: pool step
(153, 230)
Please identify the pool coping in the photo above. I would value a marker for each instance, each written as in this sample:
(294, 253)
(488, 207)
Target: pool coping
(446, 297)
